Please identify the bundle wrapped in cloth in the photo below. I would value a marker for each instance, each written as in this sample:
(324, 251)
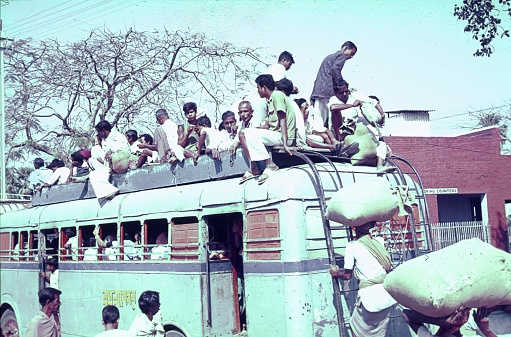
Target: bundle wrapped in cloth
(373, 199)
(470, 273)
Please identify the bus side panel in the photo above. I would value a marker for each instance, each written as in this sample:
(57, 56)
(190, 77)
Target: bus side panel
(24, 294)
(266, 314)
(180, 302)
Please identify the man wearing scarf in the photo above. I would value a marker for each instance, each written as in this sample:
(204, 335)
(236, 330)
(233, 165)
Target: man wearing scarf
(46, 323)
(367, 258)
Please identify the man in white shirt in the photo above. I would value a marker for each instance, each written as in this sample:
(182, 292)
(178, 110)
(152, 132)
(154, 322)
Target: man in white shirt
(72, 244)
(148, 322)
(46, 322)
(368, 260)
(118, 158)
(60, 174)
(110, 321)
(40, 174)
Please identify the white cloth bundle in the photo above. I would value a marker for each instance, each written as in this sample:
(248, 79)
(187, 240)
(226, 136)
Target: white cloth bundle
(470, 273)
(367, 200)
(371, 114)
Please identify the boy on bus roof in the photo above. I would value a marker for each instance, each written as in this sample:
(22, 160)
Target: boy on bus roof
(46, 322)
(111, 317)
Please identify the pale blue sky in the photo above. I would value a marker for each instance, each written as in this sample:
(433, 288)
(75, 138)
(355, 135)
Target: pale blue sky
(411, 54)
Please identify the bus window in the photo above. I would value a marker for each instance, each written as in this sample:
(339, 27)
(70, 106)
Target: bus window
(69, 244)
(4, 246)
(108, 242)
(33, 244)
(263, 235)
(23, 246)
(88, 250)
(51, 242)
(130, 240)
(156, 242)
(185, 238)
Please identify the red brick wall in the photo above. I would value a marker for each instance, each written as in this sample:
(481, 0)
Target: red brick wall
(472, 163)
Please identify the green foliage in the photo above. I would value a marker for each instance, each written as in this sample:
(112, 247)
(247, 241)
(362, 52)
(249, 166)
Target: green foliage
(483, 21)
(16, 181)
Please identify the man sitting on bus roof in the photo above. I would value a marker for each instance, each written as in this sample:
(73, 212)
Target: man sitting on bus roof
(39, 175)
(279, 129)
(166, 140)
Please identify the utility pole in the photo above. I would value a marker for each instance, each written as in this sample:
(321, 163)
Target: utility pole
(3, 162)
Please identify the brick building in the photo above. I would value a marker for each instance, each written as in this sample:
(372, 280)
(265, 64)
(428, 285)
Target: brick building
(465, 177)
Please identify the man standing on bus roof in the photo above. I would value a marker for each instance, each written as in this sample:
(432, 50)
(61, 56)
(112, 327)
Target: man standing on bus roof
(46, 323)
(367, 258)
(148, 323)
(329, 73)
(111, 317)
(52, 265)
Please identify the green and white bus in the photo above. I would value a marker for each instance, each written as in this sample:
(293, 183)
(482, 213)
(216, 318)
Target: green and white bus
(231, 257)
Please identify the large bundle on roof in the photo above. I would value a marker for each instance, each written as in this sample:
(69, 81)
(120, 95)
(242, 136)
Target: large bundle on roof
(373, 199)
(470, 273)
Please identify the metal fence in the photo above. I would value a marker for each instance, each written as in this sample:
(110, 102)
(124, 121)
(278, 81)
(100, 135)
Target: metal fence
(444, 234)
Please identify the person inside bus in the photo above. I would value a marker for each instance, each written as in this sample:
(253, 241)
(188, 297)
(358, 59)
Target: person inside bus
(161, 250)
(367, 258)
(46, 323)
(72, 244)
(91, 251)
(148, 322)
(52, 265)
(110, 321)
(109, 244)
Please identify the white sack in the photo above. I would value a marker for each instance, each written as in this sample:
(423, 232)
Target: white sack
(470, 273)
(371, 114)
(366, 200)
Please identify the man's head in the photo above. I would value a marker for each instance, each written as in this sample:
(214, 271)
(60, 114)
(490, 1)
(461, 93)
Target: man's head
(146, 139)
(245, 111)
(52, 264)
(286, 59)
(55, 164)
(228, 120)
(265, 85)
(49, 298)
(69, 232)
(38, 163)
(77, 158)
(190, 110)
(111, 316)
(161, 116)
(304, 107)
(364, 229)
(348, 49)
(204, 121)
(284, 85)
(131, 136)
(341, 91)
(149, 302)
(103, 128)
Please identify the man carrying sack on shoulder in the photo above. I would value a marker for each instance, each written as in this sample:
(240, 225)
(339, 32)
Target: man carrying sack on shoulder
(367, 258)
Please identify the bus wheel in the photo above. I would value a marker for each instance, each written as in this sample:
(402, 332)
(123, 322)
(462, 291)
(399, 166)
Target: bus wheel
(174, 333)
(9, 324)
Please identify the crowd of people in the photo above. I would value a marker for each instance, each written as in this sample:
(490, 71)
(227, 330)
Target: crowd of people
(146, 324)
(334, 121)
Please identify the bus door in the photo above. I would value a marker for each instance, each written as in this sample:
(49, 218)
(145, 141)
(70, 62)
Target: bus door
(225, 300)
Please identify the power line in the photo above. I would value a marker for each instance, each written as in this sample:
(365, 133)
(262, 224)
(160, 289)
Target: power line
(17, 23)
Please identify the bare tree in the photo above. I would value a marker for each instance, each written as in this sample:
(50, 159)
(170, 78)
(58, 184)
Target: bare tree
(483, 21)
(496, 116)
(57, 93)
